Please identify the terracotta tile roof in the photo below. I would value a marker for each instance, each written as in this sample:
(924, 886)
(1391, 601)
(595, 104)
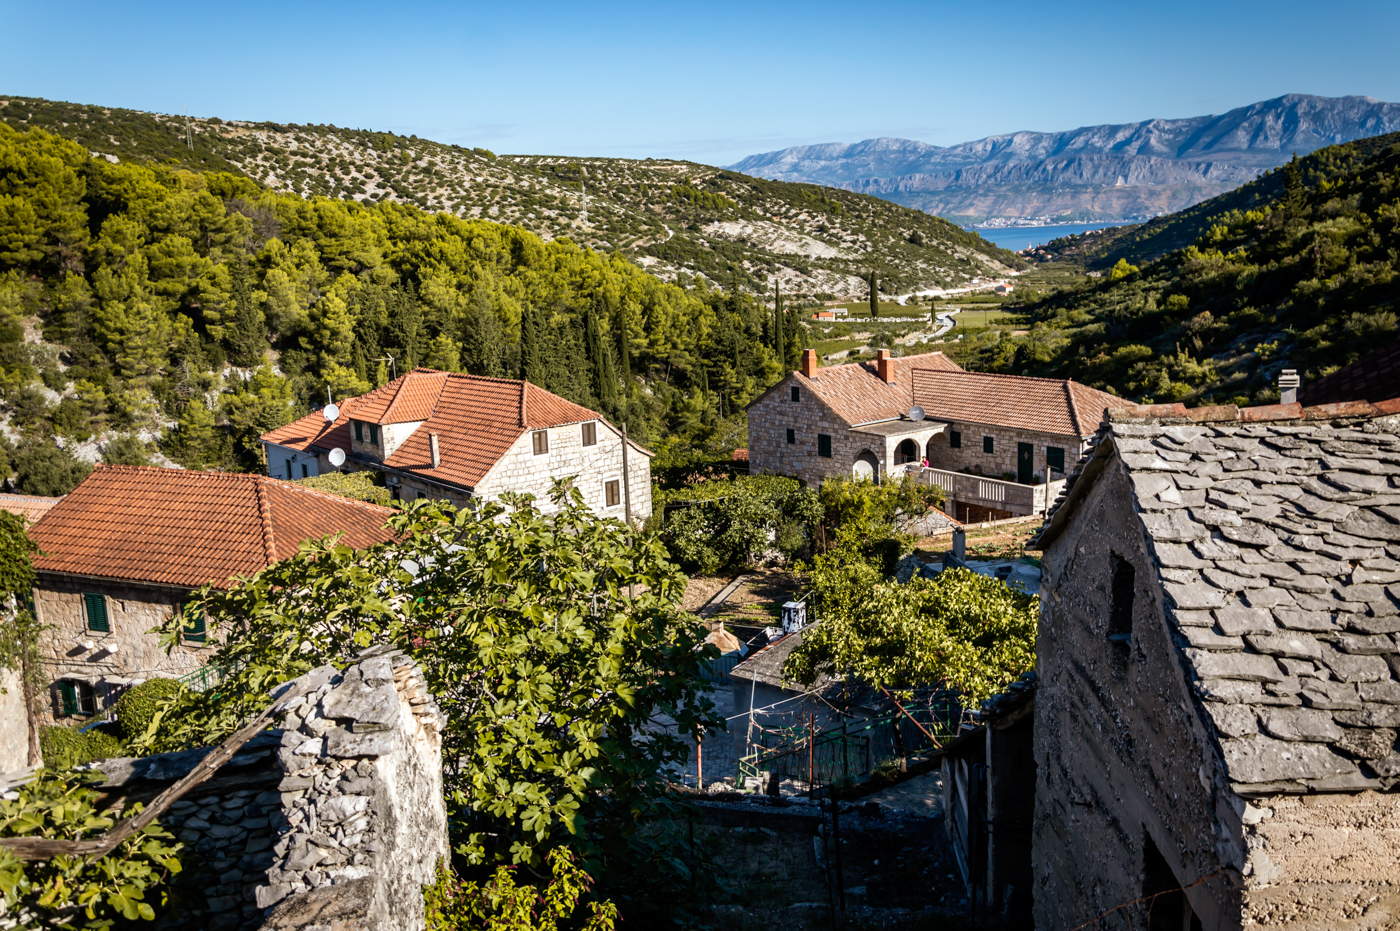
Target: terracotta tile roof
(857, 395)
(1045, 405)
(175, 527)
(476, 420)
(1375, 377)
(31, 507)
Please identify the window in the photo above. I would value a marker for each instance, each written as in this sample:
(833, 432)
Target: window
(612, 491)
(78, 697)
(823, 446)
(796, 394)
(986, 444)
(359, 432)
(374, 434)
(792, 435)
(541, 440)
(304, 473)
(1054, 460)
(422, 495)
(95, 607)
(590, 434)
(395, 494)
(193, 630)
(289, 470)
(1120, 615)
(955, 439)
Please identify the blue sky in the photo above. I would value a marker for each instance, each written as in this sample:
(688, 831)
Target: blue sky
(711, 82)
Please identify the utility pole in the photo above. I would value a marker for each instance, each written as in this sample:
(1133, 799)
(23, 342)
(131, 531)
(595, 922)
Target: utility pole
(626, 480)
(189, 136)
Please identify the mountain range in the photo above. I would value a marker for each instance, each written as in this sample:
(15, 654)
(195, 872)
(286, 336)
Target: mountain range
(1111, 172)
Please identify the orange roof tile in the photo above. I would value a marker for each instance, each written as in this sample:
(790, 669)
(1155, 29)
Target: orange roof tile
(31, 507)
(476, 419)
(1045, 405)
(857, 395)
(174, 527)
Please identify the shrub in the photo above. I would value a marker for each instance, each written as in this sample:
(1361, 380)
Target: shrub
(126, 450)
(65, 747)
(357, 485)
(44, 469)
(139, 704)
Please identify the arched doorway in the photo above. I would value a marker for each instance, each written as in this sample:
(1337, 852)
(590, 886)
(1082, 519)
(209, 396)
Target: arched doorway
(907, 451)
(866, 466)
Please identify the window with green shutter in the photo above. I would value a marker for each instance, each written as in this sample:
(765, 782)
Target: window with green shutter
(1055, 459)
(987, 444)
(77, 697)
(359, 432)
(96, 608)
(374, 434)
(68, 696)
(193, 629)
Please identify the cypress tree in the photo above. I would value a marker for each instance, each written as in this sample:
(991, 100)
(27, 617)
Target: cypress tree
(624, 350)
(779, 337)
(530, 369)
(874, 296)
(603, 382)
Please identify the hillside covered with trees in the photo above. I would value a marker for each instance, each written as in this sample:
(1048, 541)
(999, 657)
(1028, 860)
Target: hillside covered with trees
(142, 301)
(679, 220)
(1297, 270)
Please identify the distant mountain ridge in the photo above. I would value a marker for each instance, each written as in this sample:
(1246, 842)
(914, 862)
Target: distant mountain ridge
(1093, 173)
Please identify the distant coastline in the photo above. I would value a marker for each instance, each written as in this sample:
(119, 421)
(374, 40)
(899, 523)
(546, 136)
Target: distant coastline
(1018, 238)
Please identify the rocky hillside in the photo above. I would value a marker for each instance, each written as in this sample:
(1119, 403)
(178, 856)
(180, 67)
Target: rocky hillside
(1097, 172)
(676, 219)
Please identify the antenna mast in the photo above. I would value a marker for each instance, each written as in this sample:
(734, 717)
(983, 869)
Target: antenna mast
(189, 137)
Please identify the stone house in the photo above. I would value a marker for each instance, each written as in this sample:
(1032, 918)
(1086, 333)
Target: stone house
(1219, 673)
(123, 551)
(442, 435)
(994, 443)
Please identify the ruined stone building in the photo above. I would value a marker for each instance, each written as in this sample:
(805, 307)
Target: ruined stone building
(996, 444)
(441, 435)
(123, 551)
(1219, 673)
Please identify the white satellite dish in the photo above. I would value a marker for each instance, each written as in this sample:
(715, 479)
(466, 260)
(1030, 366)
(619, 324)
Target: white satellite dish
(337, 457)
(916, 413)
(331, 412)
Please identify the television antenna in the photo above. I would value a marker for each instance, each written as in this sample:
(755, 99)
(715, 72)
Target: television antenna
(189, 136)
(393, 373)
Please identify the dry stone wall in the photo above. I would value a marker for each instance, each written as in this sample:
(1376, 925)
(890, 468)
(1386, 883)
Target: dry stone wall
(334, 820)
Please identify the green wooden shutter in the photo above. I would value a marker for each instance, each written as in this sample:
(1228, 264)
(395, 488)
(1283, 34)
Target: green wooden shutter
(69, 695)
(1055, 458)
(194, 629)
(96, 612)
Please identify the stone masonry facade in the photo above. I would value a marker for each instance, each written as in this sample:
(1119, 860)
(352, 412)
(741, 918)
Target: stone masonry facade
(808, 417)
(127, 651)
(970, 456)
(594, 466)
(335, 820)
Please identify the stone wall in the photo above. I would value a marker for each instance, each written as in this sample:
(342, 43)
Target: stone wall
(132, 611)
(941, 455)
(771, 416)
(1125, 762)
(334, 820)
(14, 723)
(520, 470)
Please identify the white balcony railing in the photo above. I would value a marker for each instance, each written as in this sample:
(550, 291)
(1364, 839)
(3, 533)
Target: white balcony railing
(978, 490)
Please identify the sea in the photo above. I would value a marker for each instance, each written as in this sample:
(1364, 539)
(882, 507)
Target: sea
(1017, 238)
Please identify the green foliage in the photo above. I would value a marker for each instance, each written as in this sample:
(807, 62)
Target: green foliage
(127, 450)
(543, 638)
(970, 632)
(67, 891)
(358, 485)
(728, 523)
(501, 905)
(1122, 270)
(65, 747)
(46, 469)
(138, 706)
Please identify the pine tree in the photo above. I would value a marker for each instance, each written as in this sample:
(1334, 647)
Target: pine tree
(530, 368)
(483, 345)
(247, 331)
(779, 337)
(1293, 186)
(874, 296)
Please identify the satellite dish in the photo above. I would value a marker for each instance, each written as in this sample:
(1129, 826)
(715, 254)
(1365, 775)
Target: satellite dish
(916, 413)
(337, 457)
(331, 412)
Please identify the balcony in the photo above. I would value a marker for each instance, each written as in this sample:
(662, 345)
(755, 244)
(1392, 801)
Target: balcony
(977, 493)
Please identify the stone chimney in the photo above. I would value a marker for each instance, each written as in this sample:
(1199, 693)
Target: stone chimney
(1288, 384)
(809, 362)
(433, 445)
(882, 365)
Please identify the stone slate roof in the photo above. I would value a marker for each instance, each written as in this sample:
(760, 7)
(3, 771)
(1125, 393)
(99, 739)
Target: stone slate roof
(1045, 405)
(1276, 533)
(477, 420)
(174, 527)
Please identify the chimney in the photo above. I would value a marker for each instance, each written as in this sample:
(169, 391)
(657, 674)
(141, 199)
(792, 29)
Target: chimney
(1288, 383)
(433, 445)
(882, 365)
(809, 362)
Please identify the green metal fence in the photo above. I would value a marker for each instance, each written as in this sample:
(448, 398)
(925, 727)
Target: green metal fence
(204, 678)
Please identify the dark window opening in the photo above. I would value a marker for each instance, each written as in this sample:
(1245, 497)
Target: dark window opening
(796, 394)
(1165, 902)
(823, 446)
(955, 439)
(374, 434)
(1054, 460)
(289, 470)
(304, 472)
(422, 495)
(590, 434)
(613, 492)
(359, 432)
(986, 444)
(1120, 614)
(395, 493)
(540, 439)
(791, 435)
(95, 606)
(77, 697)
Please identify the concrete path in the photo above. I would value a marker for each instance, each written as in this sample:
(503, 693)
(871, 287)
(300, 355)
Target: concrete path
(921, 795)
(716, 602)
